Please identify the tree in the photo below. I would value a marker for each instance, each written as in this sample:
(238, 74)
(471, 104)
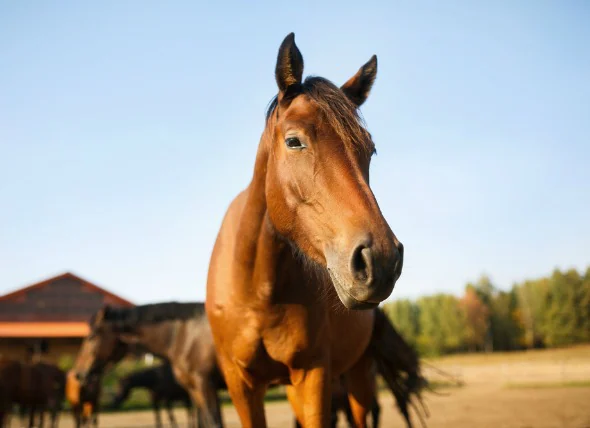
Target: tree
(486, 291)
(505, 321)
(442, 324)
(404, 316)
(532, 303)
(477, 316)
(584, 302)
(566, 316)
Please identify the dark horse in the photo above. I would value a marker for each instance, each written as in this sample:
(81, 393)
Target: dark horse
(176, 332)
(163, 387)
(304, 254)
(9, 388)
(36, 387)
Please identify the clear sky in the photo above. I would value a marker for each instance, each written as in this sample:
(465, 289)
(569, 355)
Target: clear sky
(126, 128)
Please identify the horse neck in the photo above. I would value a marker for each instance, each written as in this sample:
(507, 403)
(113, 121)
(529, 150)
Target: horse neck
(155, 338)
(257, 248)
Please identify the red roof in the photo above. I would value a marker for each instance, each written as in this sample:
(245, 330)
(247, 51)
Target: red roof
(88, 284)
(60, 306)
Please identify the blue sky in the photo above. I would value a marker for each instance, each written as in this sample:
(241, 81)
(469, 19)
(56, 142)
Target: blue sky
(126, 128)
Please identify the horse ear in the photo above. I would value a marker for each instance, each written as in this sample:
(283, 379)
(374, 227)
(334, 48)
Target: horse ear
(357, 88)
(100, 315)
(289, 69)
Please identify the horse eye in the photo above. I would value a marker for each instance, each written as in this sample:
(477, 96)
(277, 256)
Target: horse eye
(294, 143)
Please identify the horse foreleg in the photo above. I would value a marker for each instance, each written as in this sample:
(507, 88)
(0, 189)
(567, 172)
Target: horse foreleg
(216, 405)
(53, 414)
(247, 397)
(190, 414)
(296, 406)
(94, 415)
(76, 415)
(42, 411)
(361, 390)
(32, 416)
(349, 415)
(314, 392)
(156, 406)
(170, 412)
(375, 412)
(205, 398)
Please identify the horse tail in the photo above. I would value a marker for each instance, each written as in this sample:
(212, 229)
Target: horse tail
(398, 364)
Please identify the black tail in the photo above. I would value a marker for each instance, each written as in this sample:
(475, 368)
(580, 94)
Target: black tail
(398, 364)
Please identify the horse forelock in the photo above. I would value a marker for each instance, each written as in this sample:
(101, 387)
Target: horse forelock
(337, 111)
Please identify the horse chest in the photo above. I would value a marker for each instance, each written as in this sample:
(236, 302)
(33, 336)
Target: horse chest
(256, 364)
(293, 338)
(267, 352)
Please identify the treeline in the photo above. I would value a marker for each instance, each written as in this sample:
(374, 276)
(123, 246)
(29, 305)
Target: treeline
(547, 312)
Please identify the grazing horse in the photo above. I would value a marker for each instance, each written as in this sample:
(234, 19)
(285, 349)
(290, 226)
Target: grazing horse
(176, 332)
(84, 399)
(304, 254)
(35, 387)
(162, 385)
(46, 392)
(9, 387)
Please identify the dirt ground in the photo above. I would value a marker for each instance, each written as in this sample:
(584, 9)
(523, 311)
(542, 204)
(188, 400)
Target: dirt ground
(470, 406)
(535, 389)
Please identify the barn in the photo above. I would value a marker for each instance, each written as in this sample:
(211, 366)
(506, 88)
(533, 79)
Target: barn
(53, 312)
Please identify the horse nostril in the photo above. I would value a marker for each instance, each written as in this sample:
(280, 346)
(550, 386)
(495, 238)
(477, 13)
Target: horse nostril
(362, 264)
(400, 259)
(400, 249)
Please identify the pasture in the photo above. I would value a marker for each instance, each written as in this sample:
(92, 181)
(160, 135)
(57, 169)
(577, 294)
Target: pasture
(548, 388)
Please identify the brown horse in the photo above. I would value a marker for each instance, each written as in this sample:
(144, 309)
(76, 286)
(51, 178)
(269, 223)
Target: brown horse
(300, 249)
(176, 332)
(84, 399)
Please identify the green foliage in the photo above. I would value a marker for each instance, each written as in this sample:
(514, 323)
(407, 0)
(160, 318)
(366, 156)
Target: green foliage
(552, 311)
(505, 322)
(566, 319)
(442, 325)
(405, 316)
(584, 304)
(532, 302)
(66, 362)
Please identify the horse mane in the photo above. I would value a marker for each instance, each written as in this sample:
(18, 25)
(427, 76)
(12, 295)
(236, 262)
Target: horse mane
(129, 318)
(340, 113)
